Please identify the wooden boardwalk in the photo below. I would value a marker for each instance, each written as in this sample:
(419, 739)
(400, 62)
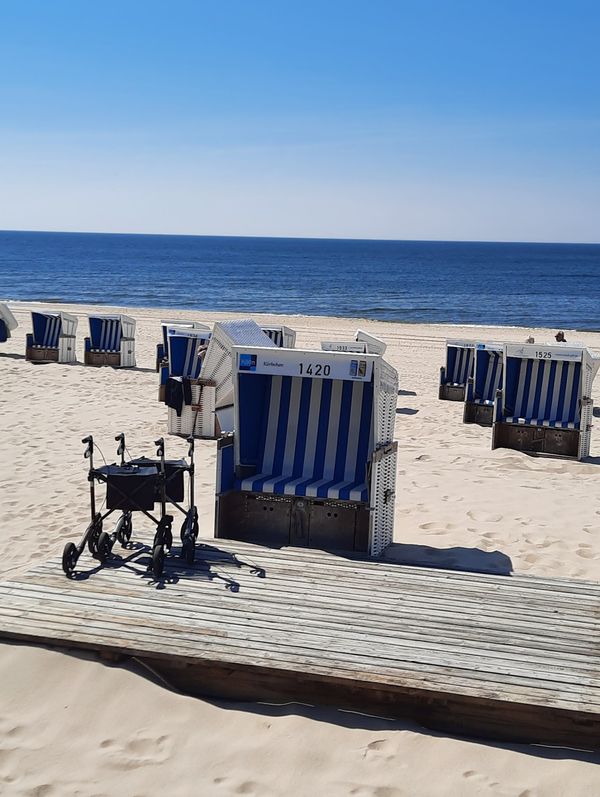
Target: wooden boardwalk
(502, 657)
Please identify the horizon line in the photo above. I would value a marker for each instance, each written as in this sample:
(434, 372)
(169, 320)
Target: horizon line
(305, 237)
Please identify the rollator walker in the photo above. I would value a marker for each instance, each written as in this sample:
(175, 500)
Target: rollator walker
(135, 486)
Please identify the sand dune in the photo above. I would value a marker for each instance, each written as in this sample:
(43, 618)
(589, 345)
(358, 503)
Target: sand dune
(73, 726)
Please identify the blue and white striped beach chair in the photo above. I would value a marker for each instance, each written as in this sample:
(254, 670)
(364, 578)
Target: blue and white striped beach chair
(7, 322)
(184, 358)
(545, 406)
(483, 385)
(53, 338)
(162, 349)
(210, 410)
(111, 341)
(312, 461)
(457, 370)
(282, 337)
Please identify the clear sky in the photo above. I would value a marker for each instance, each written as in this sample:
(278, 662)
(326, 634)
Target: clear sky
(428, 119)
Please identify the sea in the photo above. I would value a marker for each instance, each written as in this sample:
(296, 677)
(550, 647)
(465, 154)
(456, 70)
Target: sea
(520, 284)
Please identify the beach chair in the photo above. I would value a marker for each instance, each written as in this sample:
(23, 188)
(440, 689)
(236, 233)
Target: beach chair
(162, 350)
(283, 337)
(184, 346)
(53, 338)
(7, 322)
(207, 409)
(545, 404)
(111, 341)
(483, 385)
(363, 343)
(457, 370)
(312, 461)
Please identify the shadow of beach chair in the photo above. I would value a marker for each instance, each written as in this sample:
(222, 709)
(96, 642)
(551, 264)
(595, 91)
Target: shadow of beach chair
(162, 349)
(53, 338)
(545, 404)
(312, 461)
(457, 370)
(7, 322)
(282, 337)
(483, 385)
(207, 408)
(111, 341)
(184, 358)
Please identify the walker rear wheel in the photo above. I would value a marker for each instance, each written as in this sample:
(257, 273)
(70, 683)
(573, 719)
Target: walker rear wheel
(104, 547)
(188, 551)
(69, 558)
(124, 529)
(158, 561)
(93, 540)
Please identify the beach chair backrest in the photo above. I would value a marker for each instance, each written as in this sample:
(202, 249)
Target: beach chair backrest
(459, 361)
(358, 347)
(283, 337)
(304, 434)
(183, 346)
(488, 371)
(106, 333)
(46, 329)
(166, 325)
(373, 344)
(543, 385)
(7, 322)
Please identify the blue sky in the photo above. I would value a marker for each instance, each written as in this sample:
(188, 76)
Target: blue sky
(426, 120)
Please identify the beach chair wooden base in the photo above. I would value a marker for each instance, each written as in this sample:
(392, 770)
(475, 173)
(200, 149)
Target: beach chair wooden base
(537, 439)
(481, 414)
(99, 358)
(452, 392)
(277, 520)
(41, 354)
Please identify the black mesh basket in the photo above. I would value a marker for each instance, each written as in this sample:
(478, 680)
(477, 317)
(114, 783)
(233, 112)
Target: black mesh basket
(174, 470)
(130, 487)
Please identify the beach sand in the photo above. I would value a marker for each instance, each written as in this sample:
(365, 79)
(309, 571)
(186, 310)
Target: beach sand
(70, 725)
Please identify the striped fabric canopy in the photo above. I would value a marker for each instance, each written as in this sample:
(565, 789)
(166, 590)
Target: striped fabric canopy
(488, 376)
(183, 355)
(105, 334)
(459, 365)
(309, 437)
(543, 393)
(276, 335)
(46, 329)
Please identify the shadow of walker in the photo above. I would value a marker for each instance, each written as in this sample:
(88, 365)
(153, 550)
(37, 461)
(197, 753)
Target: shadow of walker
(471, 560)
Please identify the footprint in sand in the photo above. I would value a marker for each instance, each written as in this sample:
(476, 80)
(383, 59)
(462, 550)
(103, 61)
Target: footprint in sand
(586, 552)
(440, 527)
(485, 517)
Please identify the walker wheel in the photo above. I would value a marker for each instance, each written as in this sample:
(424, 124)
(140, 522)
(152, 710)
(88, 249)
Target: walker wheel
(69, 558)
(158, 561)
(93, 540)
(168, 538)
(104, 547)
(188, 551)
(124, 529)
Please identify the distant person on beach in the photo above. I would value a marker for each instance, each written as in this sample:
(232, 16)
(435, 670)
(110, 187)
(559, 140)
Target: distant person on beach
(560, 337)
(530, 339)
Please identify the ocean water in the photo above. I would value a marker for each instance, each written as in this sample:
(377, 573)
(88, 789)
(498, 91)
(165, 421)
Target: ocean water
(556, 285)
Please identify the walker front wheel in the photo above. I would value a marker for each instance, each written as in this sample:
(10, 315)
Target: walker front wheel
(69, 559)
(104, 547)
(158, 561)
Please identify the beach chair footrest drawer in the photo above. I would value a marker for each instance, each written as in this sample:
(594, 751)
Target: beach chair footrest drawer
(111, 358)
(452, 392)
(298, 521)
(41, 354)
(482, 414)
(537, 439)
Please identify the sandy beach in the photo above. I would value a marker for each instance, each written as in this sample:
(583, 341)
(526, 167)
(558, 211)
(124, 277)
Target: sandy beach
(71, 725)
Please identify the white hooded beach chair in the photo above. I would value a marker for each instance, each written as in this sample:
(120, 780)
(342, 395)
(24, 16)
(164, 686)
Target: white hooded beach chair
(111, 341)
(312, 461)
(457, 370)
(162, 351)
(362, 343)
(53, 338)
(545, 405)
(483, 385)
(7, 322)
(283, 337)
(208, 404)
(184, 347)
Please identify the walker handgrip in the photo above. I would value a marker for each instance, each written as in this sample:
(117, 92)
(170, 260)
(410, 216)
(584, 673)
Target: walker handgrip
(89, 440)
(160, 446)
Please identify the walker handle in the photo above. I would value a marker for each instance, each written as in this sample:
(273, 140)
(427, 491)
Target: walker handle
(191, 448)
(160, 446)
(89, 441)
